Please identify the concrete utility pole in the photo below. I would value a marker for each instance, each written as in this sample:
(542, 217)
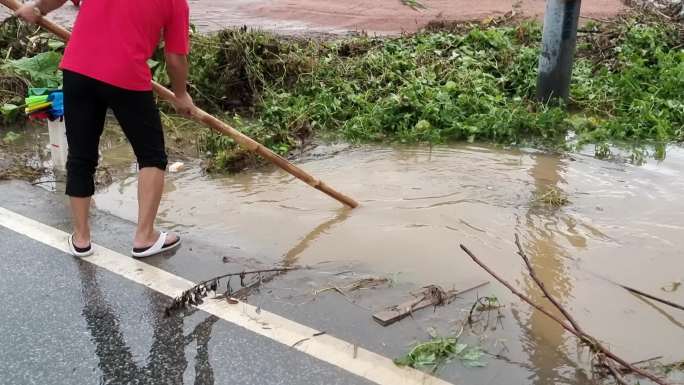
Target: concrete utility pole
(558, 49)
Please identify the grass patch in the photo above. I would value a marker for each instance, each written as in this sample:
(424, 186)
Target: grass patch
(475, 84)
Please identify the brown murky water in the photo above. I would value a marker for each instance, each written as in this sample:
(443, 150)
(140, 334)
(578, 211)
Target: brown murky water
(624, 223)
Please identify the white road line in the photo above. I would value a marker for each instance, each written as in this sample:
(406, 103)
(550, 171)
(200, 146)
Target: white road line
(335, 351)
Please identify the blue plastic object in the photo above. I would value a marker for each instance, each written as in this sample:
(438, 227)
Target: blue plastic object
(57, 99)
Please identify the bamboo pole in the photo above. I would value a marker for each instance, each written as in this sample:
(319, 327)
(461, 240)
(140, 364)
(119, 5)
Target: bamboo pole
(215, 124)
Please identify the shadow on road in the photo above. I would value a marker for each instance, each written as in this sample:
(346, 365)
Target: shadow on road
(166, 361)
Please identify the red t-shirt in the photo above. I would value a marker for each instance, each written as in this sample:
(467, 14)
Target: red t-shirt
(113, 39)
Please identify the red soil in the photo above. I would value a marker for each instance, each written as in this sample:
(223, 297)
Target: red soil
(391, 16)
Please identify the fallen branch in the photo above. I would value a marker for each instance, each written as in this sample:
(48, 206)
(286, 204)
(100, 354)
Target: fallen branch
(647, 360)
(194, 295)
(590, 341)
(245, 273)
(639, 292)
(650, 296)
(242, 293)
(660, 311)
(541, 285)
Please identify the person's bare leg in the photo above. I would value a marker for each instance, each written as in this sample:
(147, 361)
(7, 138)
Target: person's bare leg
(150, 188)
(80, 209)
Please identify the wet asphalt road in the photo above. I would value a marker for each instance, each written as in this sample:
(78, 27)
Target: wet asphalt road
(65, 321)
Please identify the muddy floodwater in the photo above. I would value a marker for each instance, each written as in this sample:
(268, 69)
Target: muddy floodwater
(624, 223)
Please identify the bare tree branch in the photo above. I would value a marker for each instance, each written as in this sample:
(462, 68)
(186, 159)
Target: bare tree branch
(539, 283)
(590, 341)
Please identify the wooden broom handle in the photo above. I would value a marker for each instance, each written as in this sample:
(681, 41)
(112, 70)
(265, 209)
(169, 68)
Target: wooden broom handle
(212, 122)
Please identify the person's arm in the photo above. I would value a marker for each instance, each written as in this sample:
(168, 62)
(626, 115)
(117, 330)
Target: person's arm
(28, 10)
(176, 49)
(177, 68)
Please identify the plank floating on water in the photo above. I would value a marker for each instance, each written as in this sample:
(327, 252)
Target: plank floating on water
(401, 311)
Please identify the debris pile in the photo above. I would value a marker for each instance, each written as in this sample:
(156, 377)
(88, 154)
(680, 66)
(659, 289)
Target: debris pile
(673, 9)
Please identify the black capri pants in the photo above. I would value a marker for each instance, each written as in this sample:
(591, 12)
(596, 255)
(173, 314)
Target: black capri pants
(85, 107)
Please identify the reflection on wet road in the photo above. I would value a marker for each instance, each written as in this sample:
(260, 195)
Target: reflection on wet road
(166, 362)
(68, 321)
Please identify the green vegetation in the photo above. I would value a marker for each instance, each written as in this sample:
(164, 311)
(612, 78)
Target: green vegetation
(41, 69)
(635, 93)
(30, 58)
(472, 83)
(438, 351)
(488, 303)
(458, 83)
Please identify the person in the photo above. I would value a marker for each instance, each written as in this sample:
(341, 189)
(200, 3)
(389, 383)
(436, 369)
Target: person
(105, 66)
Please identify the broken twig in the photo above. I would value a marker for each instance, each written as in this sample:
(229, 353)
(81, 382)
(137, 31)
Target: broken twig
(299, 342)
(650, 296)
(195, 294)
(318, 334)
(638, 292)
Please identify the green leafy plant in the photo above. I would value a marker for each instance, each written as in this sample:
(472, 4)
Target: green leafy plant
(42, 69)
(432, 354)
(488, 303)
